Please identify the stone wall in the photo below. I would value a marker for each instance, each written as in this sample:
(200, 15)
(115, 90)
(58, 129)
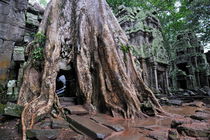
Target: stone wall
(208, 60)
(146, 41)
(208, 56)
(19, 21)
(12, 24)
(190, 69)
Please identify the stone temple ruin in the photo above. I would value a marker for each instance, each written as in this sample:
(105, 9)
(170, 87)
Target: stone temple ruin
(19, 22)
(189, 69)
(144, 32)
(186, 68)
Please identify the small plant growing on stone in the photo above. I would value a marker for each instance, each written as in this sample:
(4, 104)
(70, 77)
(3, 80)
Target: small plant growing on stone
(125, 48)
(38, 54)
(40, 38)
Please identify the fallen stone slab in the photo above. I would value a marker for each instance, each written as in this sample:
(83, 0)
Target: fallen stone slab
(173, 134)
(44, 124)
(89, 127)
(195, 104)
(200, 116)
(193, 138)
(129, 134)
(42, 133)
(202, 92)
(71, 135)
(175, 102)
(9, 134)
(161, 134)
(54, 134)
(58, 124)
(76, 110)
(12, 109)
(103, 121)
(198, 129)
(188, 138)
(179, 121)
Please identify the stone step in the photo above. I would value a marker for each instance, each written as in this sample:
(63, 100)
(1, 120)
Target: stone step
(76, 110)
(65, 104)
(67, 99)
(54, 134)
(89, 127)
(196, 129)
(13, 110)
(100, 119)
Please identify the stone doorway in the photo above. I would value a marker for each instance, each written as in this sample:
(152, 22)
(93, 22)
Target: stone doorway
(69, 77)
(182, 84)
(161, 81)
(183, 67)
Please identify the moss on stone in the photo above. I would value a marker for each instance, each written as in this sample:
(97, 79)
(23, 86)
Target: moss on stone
(12, 109)
(2, 106)
(134, 21)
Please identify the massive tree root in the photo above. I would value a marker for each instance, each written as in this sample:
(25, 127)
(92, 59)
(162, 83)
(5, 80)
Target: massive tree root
(106, 75)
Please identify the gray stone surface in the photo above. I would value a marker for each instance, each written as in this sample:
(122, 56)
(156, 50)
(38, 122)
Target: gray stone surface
(105, 122)
(173, 135)
(12, 24)
(175, 102)
(12, 109)
(199, 129)
(18, 54)
(32, 19)
(42, 133)
(15, 31)
(143, 30)
(76, 109)
(89, 127)
(58, 124)
(200, 116)
(8, 134)
(11, 84)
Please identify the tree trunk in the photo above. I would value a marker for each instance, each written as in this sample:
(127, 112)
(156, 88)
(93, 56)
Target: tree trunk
(106, 74)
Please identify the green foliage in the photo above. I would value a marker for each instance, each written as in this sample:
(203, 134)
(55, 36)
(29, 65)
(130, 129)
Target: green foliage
(40, 38)
(37, 53)
(124, 48)
(43, 2)
(199, 20)
(128, 3)
(2, 106)
(3, 95)
(175, 16)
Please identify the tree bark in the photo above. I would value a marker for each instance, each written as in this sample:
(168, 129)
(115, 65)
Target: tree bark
(106, 75)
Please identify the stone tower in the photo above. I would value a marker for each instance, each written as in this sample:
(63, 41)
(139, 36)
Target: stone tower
(146, 41)
(189, 69)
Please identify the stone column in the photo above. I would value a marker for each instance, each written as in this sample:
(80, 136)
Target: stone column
(167, 82)
(144, 69)
(155, 74)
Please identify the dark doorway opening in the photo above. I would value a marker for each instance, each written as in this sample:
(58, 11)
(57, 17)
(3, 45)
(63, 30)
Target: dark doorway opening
(209, 80)
(70, 77)
(182, 84)
(183, 67)
(161, 86)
